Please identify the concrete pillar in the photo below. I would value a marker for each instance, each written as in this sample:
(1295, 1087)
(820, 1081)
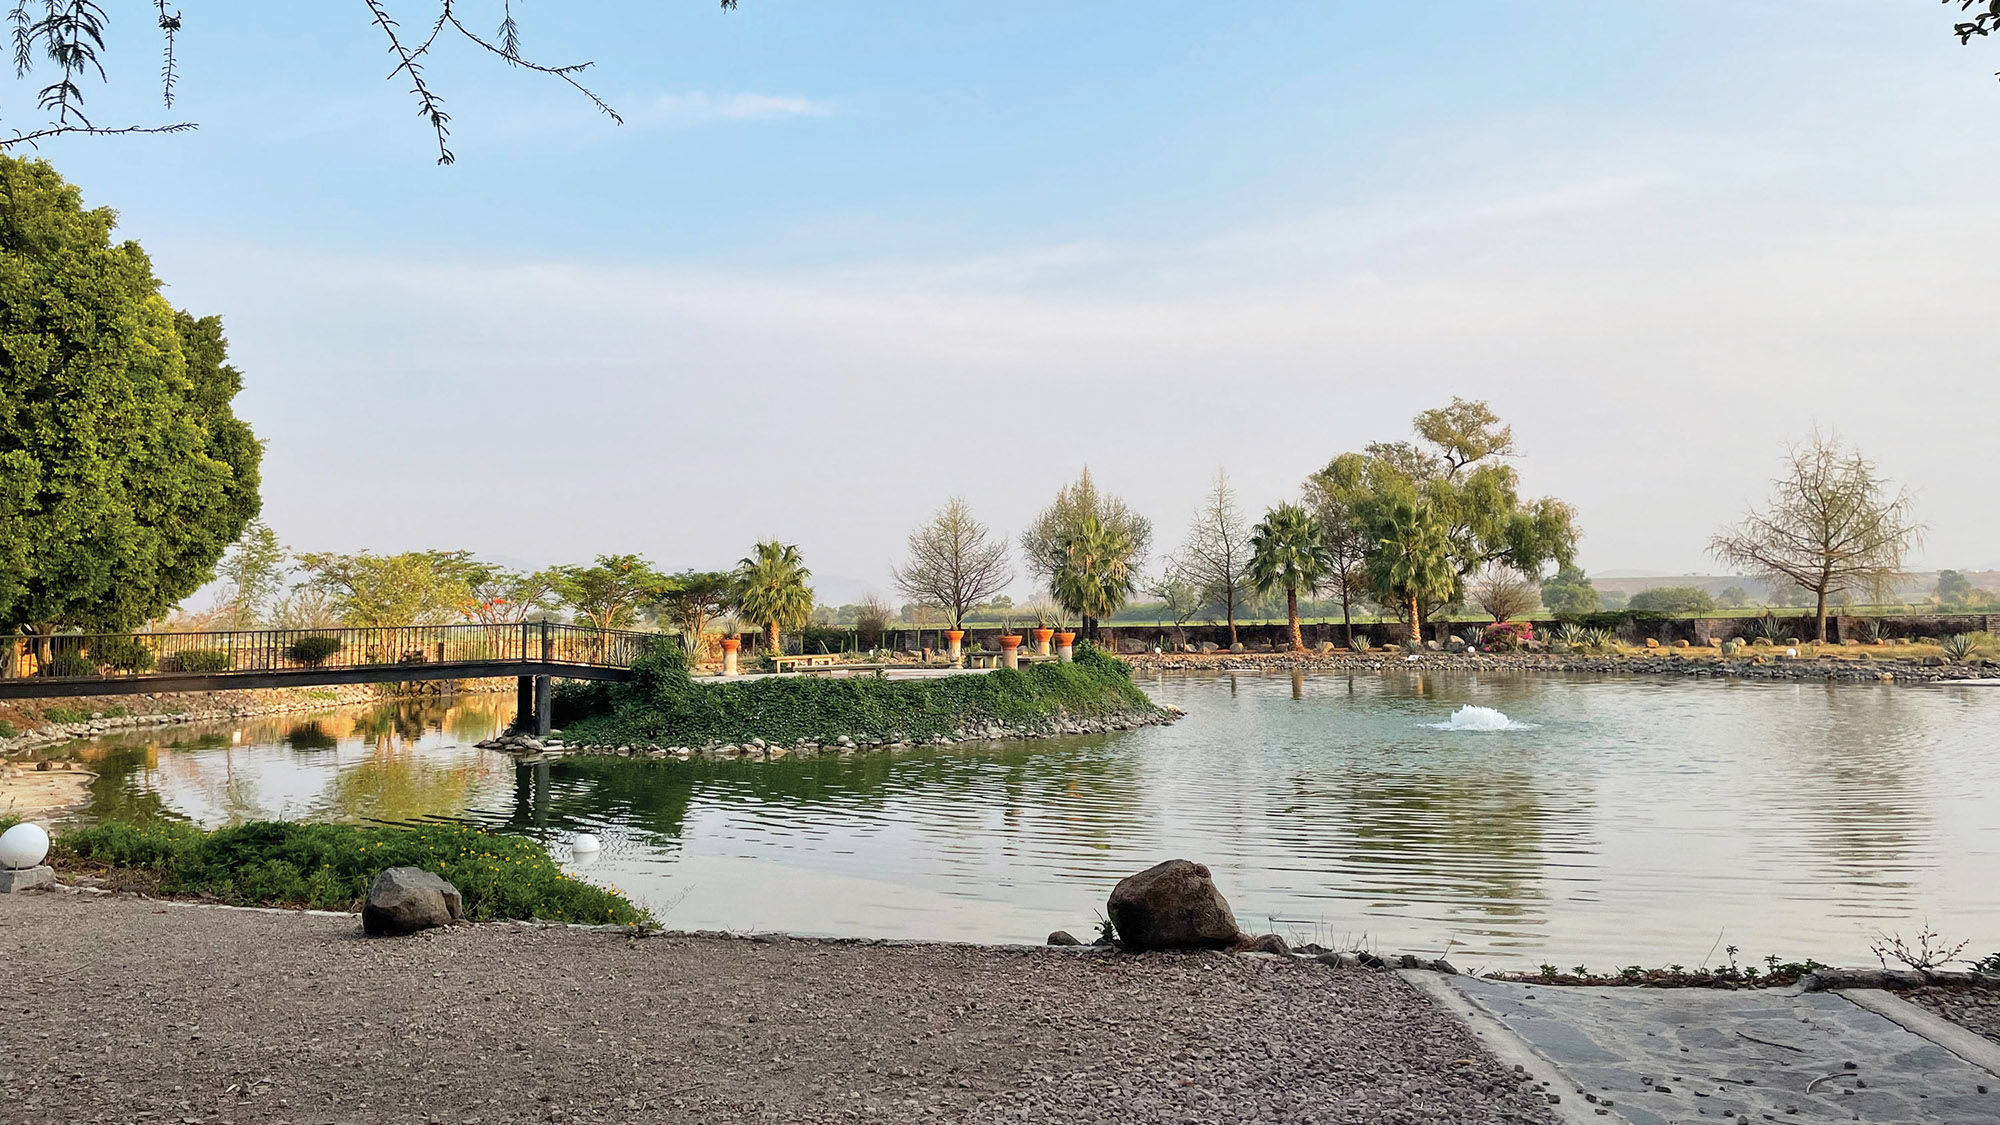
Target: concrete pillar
(1042, 641)
(545, 705)
(1066, 647)
(524, 702)
(730, 645)
(1010, 652)
(957, 639)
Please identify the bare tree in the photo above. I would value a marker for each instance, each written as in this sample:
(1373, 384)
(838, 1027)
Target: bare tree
(1504, 592)
(1217, 551)
(1180, 596)
(954, 563)
(1831, 526)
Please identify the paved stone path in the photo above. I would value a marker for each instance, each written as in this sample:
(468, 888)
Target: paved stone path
(1658, 1056)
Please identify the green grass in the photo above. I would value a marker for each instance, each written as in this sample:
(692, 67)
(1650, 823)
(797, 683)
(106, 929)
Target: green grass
(663, 706)
(63, 715)
(329, 866)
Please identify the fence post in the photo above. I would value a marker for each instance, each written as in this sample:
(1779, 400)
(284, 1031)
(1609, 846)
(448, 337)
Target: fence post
(547, 643)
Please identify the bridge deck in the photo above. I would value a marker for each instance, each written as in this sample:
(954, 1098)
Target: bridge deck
(39, 687)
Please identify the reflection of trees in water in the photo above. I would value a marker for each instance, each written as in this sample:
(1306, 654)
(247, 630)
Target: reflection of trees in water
(1852, 763)
(310, 736)
(115, 793)
(1454, 836)
(1073, 790)
(393, 783)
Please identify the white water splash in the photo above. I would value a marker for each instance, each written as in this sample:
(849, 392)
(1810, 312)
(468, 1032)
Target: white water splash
(1479, 719)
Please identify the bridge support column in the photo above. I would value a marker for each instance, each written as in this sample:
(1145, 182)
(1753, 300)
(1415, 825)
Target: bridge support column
(545, 711)
(524, 702)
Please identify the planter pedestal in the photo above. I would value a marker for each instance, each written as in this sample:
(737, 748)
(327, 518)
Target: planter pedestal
(1066, 647)
(1010, 652)
(729, 650)
(956, 637)
(1042, 641)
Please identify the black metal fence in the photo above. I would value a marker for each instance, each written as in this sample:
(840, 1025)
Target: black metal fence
(78, 656)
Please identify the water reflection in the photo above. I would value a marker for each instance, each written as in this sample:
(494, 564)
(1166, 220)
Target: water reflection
(1636, 821)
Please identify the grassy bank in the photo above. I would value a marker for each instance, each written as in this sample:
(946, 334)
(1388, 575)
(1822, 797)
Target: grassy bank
(329, 866)
(663, 706)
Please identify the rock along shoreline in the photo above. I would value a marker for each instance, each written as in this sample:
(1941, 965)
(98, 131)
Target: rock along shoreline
(1663, 662)
(1056, 726)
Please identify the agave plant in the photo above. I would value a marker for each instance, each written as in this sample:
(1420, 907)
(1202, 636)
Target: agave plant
(1596, 638)
(1358, 643)
(1471, 636)
(1868, 631)
(1956, 647)
(1413, 644)
(1768, 628)
(1571, 634)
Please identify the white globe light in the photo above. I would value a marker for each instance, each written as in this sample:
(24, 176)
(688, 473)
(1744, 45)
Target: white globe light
(584, 842)
(23, 845)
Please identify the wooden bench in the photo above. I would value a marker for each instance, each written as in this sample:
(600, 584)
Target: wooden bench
(807, 660)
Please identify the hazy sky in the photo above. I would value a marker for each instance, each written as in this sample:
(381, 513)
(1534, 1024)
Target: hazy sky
(844, 260)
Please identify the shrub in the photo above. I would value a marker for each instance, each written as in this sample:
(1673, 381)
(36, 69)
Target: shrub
(1506, 636)
(123, 654)
(1358, 643)
(7, 730)
(62, 715)
(1957, 648)
(1673, 599)
(662, 705)
(1868, 631)
(329, 866)
(69, 663)
(199, 660)
(313, 651)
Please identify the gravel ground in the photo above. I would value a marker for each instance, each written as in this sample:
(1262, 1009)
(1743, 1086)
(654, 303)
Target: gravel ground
(132, 1010)
(1974, 1009)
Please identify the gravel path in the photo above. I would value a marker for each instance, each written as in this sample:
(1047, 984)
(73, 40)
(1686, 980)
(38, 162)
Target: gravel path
(130, 1010)
(1974, 1009)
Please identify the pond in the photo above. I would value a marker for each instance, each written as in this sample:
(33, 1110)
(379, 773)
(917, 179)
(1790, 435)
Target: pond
(1606, 821)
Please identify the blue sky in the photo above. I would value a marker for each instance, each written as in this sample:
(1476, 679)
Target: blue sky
(844, 260)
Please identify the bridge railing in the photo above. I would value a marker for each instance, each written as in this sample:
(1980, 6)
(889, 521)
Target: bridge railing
(106, 655)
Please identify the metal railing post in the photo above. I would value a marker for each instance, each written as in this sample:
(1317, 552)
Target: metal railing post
(547, 642)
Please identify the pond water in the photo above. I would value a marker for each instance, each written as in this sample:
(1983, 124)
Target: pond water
(1600, 821)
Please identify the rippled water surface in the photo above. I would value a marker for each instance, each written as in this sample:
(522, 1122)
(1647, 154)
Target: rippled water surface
(1606, 822)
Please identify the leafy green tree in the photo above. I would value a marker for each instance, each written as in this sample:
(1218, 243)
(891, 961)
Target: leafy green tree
(255, 570)
(1569, 593)
(499, 596)
(1045, 542)
(1451, 496)
(773, 590)
(1952, 587)
(1092, 570)
(609, 592)
(1673, 599)
(1733, 597)
(1287, 552)
(124, 475)
(379, 591)
(1331, 499)
(691, 599)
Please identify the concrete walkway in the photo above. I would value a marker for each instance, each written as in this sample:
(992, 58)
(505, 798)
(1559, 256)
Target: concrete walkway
(1655, 1056)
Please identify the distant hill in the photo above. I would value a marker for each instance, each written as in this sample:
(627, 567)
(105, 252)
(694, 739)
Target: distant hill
(1629, 582)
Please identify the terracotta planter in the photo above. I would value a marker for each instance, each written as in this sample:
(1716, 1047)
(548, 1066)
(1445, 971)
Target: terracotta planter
(953, 637)
(1010, 650)
(1042, 641)
(1065, 647)
(1009, 640)
(730, 646)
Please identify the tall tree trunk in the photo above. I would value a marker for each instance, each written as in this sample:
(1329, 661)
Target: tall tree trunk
(771, 638)
(1090, 628)
(1822, 615)
(1346, 618)
(1416, 621)
(1232, 623)
(1292, 612)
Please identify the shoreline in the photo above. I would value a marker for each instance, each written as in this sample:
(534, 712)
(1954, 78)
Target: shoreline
(1662, 662)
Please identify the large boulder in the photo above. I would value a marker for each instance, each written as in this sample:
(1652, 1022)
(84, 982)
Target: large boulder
(1172, 905)
(403, 900)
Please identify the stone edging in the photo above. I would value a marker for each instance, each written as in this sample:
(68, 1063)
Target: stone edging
(1772, 668)
(262, 701)
(845, 744)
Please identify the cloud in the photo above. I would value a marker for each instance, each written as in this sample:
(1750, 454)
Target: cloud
(698, 107)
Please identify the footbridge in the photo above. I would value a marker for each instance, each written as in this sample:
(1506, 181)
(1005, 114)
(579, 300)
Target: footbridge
(534, 653)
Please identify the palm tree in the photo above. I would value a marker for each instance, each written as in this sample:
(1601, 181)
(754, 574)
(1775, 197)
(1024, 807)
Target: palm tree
(1413, 560)
(771, 589)
(1288, 551)
(1090, 570)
